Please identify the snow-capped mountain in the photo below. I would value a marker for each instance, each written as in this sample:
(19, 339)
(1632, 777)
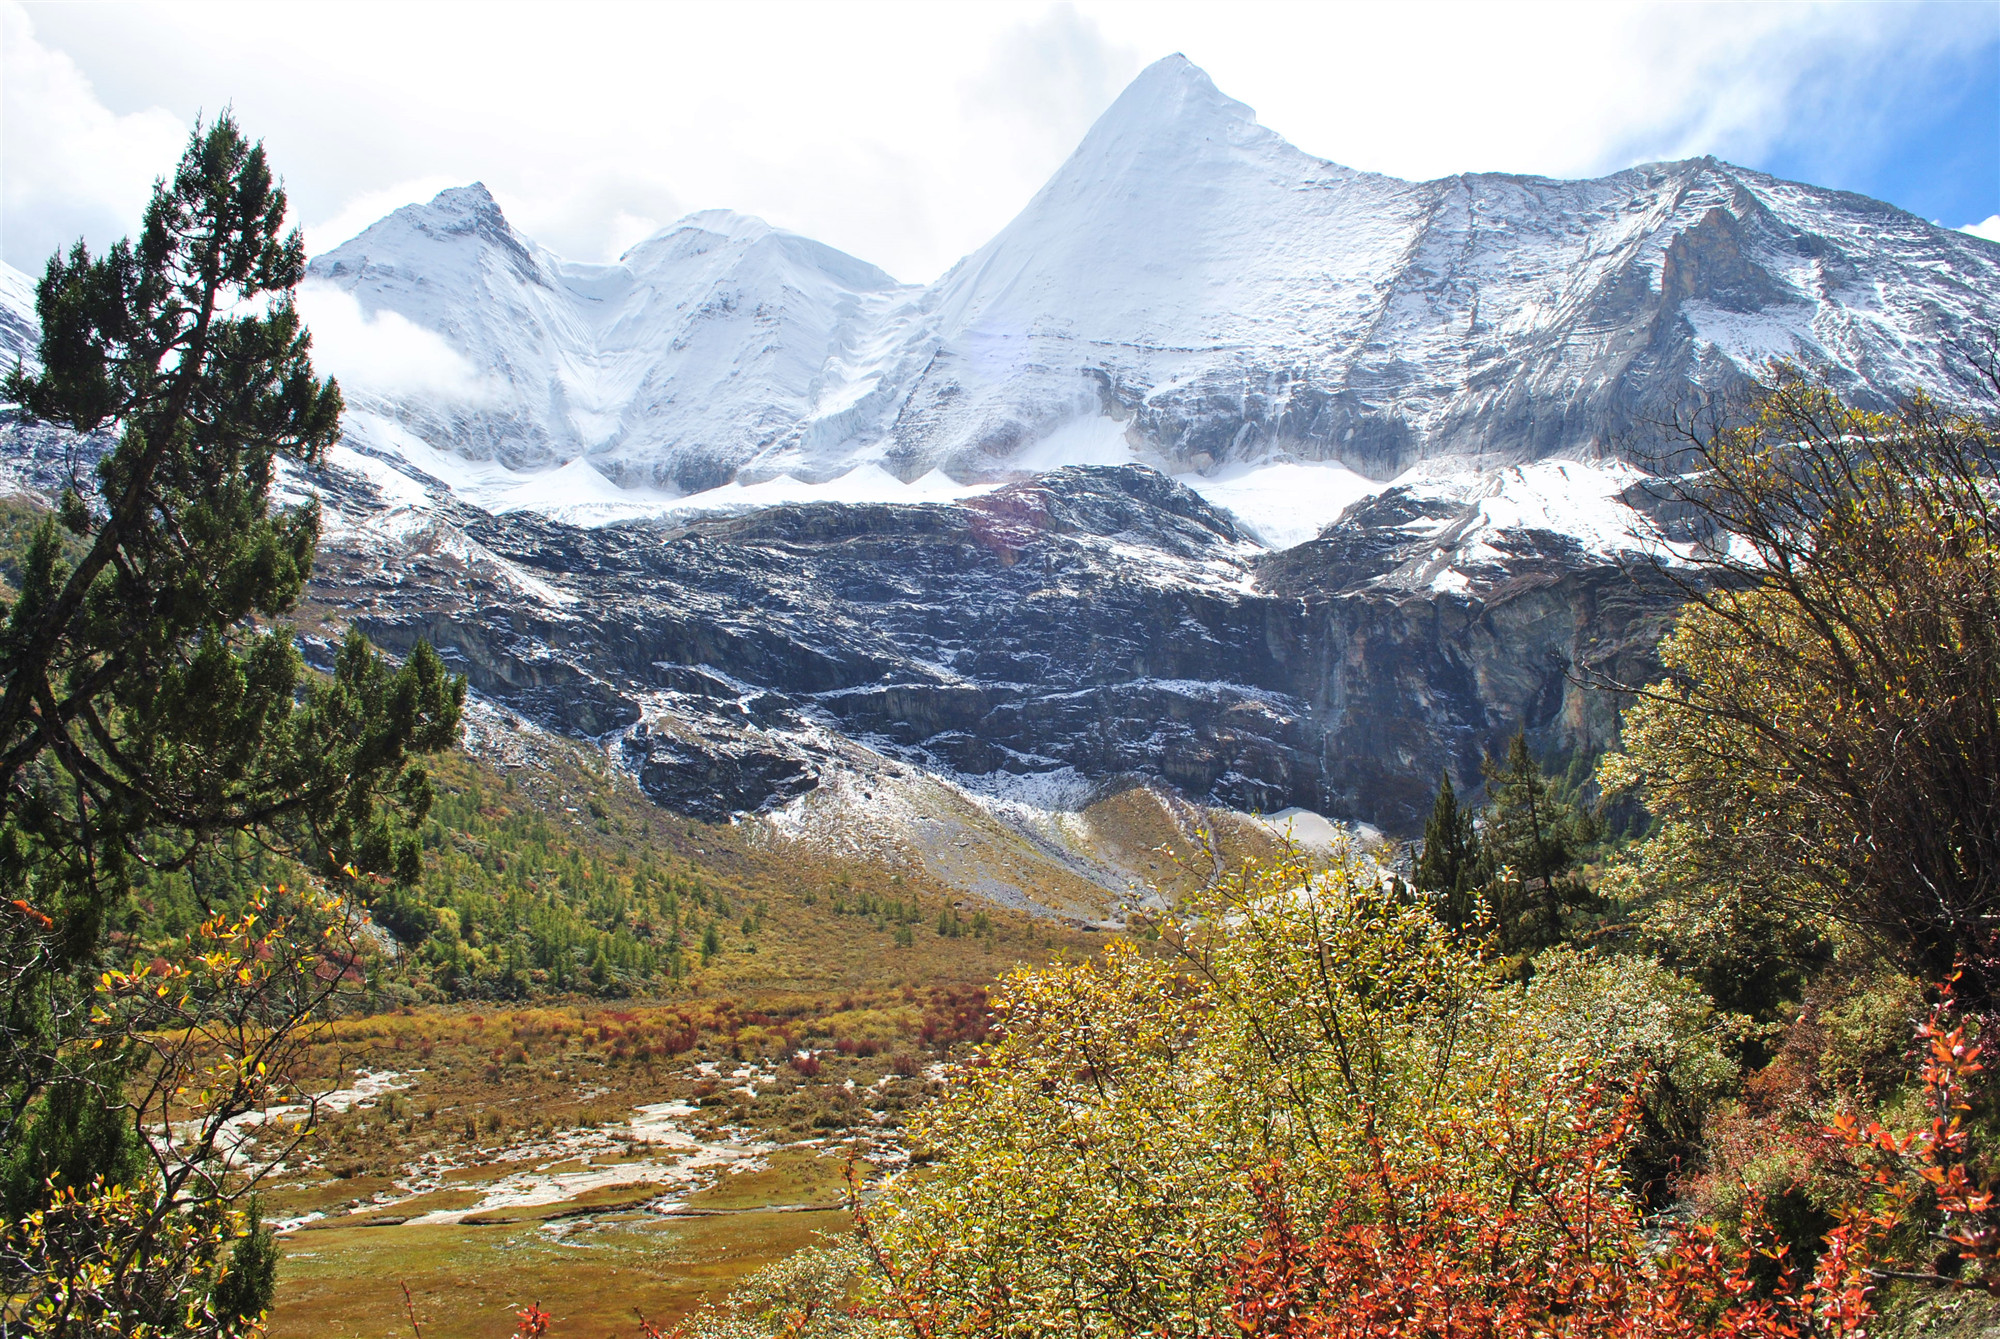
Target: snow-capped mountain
(670, 368)
(1222, 466)
(1189, 291)
(1230, 297)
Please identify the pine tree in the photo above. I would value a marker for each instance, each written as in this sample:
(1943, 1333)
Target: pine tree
(152, 709)
(1450, 868)
(1531, 840)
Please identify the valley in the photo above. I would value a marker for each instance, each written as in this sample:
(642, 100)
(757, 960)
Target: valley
(537, 1154)
(839, 655)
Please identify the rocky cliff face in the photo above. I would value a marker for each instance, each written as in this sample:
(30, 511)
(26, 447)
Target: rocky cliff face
(1093, 624)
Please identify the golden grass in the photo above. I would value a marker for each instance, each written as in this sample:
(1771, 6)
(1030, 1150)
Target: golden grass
(594, 1257)
(466, 1281)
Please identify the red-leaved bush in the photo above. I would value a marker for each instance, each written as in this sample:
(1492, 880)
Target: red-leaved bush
(1552, 1247)
(1563, 1255)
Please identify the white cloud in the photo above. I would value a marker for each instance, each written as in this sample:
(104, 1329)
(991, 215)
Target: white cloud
(69, 168)
(1044, 82)
(385, 352)
(908, 133)
(593, 216)
(1990, 229)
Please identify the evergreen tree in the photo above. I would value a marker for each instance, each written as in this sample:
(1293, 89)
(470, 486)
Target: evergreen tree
(1531, 840)
(151, 708)
(1450, 868)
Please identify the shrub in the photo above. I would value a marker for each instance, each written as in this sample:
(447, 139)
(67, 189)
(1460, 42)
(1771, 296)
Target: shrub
(1828, 732)
(1088, 1176)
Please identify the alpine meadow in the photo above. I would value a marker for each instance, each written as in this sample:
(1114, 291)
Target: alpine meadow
(1280, 753)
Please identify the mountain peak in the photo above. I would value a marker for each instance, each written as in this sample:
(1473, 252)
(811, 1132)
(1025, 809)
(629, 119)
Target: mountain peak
(746, 234)
(454, 211)
(726, 222)
(473, 200)
(410, 236)
(1170, 125)
(1175, 72)
(1173, 95)
(673, 239)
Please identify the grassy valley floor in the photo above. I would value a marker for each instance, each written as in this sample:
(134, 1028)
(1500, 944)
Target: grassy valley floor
(579, 1158)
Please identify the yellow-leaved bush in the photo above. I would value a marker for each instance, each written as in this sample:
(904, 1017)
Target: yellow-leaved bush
(1091, 1172)
(1825, 741)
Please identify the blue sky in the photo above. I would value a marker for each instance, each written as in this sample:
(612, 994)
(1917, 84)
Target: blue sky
(1930, 143)
(908, 133)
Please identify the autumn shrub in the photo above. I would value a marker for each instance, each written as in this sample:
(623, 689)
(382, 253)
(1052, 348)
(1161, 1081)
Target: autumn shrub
(1551, 1247)
(956, 1017)
(214, 1028)
(1090, 1172)
(1554, 1248)
(1826, 735)
(1515, 1217)
(1848, 1051)
(806, 1295)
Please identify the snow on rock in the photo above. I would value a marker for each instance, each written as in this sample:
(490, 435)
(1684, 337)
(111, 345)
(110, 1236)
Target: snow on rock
(1583, 502)
(1285, 502)
(1312, 831)
(19, 330)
